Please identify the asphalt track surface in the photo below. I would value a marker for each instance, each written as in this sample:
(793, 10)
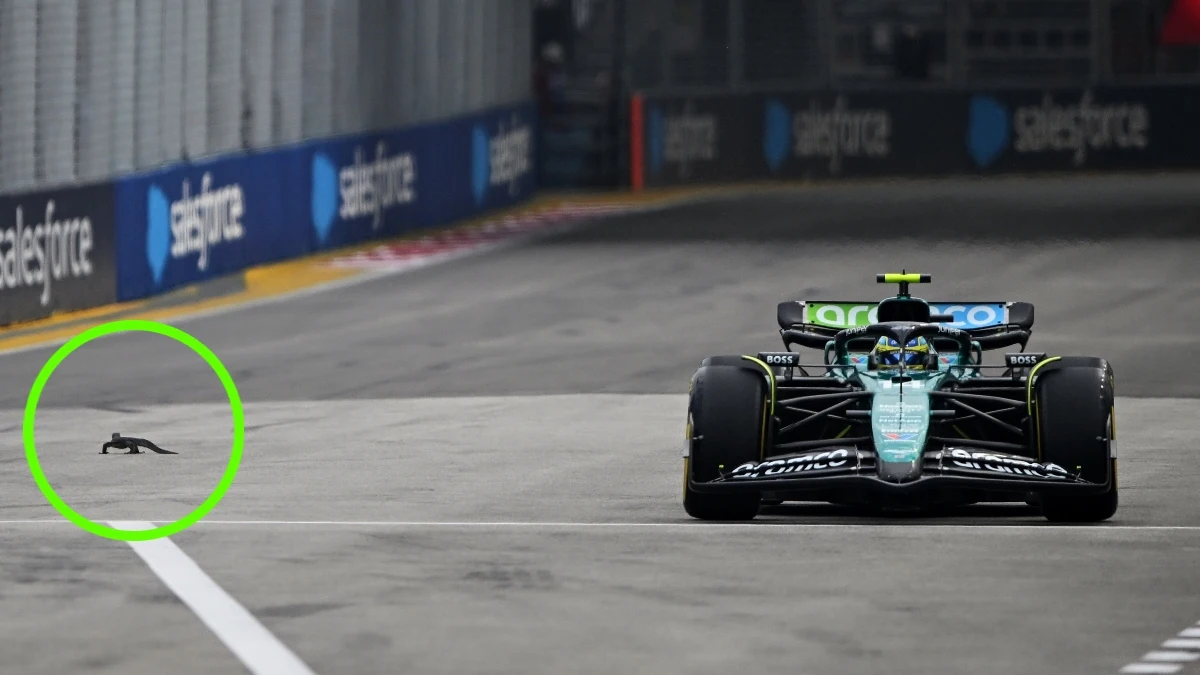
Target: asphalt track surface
(478, 463)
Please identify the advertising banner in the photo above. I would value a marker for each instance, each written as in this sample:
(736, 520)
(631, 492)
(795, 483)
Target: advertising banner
(697, 140)
(185, 224)
(57, 252)
(1107, 128)
(363, 188)
(832, 134)
(829, 134)
(182, 225)
(483, 162)
(385, 184)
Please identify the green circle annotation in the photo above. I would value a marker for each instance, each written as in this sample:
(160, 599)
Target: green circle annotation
(121, 326)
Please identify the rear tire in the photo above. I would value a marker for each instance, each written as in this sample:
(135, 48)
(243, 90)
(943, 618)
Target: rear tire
(1075, 408)
(727, 414)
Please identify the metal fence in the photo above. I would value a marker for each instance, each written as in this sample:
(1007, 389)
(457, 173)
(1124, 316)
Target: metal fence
(722, 45)
(95, 88)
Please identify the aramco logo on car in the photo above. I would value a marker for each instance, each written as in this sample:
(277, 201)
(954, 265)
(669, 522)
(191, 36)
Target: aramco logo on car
(849, 315)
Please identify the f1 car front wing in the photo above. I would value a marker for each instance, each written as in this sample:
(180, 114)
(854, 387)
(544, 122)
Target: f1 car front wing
(851, 467)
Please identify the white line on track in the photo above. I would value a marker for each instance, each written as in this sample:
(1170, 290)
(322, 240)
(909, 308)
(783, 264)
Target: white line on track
(681, 526)
(764, 524)
(1171, 656)
(1151, 668)
(255, 646)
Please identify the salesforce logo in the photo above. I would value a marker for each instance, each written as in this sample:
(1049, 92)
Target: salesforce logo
(988, 130)
(41, 252)
(1074, 128)
(324, 195)
(777, 133)
(833, 134)
(361, 189)
(192, 225)
(500, 159)
(480, 163)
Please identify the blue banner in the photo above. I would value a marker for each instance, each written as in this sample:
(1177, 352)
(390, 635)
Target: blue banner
(366, 187)
(184, 224)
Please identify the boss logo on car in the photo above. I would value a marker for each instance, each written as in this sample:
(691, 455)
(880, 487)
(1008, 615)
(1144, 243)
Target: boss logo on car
(1024, 359)
(779, 359)
(817, 461)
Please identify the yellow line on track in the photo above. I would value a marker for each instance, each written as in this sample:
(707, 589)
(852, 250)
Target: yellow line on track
(289, 276)
(275, 279)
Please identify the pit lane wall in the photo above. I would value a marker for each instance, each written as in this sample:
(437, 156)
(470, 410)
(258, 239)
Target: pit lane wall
(143, 234)
(192, 222)
(847, 133)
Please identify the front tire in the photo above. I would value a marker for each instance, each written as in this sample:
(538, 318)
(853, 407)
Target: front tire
(1075, 409)
(727, 416)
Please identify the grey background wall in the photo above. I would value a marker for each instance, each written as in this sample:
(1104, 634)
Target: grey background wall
(720, 45)
(90, 89)
(684, 49)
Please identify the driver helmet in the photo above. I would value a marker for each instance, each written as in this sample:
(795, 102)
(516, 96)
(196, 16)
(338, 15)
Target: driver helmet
(889, 355)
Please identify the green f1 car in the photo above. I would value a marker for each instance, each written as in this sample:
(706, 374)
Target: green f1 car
(901, 413)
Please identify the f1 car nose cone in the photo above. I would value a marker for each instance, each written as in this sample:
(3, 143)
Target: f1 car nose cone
(899, 472)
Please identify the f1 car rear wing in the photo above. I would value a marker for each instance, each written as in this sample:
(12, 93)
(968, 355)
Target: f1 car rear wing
(994, 325)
